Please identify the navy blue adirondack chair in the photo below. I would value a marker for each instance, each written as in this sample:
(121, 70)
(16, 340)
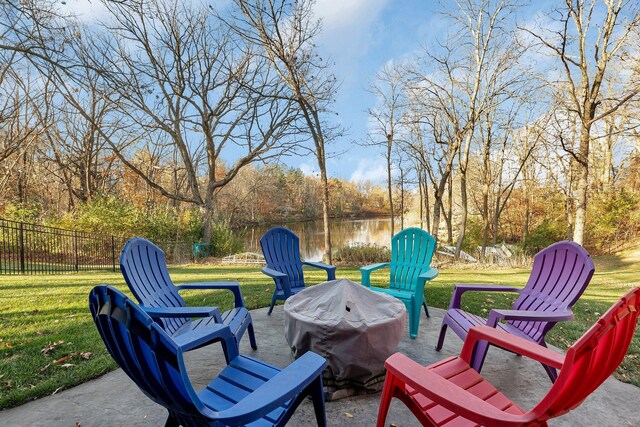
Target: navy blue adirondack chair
(281, 249)
(560, 274)
(246, 391)
(144, 268)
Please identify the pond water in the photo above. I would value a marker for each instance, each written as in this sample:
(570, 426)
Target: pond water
(343, 232)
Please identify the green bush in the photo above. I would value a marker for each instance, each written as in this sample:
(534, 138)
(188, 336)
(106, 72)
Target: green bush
(223, 241)
(24, 212)
(543, 235)
(613, 216)
(361, 254)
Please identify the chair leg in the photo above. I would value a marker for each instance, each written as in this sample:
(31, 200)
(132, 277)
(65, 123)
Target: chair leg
(479, 354)
(273, 302)
(317, 395)
(443, 332)
(252, 336)
(385, 399)
(171, 422)
(414, 321)
(426, 310)
(552, 372)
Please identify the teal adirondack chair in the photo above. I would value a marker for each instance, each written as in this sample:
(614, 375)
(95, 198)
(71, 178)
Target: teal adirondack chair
(411, 253)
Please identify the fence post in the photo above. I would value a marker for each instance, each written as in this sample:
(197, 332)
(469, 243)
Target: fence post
(113, 253)
(75, 247)
(21, 238)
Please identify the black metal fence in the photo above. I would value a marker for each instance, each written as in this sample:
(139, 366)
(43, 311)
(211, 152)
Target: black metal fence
(37, 249)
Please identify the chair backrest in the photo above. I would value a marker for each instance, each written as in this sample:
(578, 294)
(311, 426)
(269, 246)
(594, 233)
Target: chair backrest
(144, 268)
(281, 250)
(411, 253)
(144, 352)
(560, 274)
(593, 358)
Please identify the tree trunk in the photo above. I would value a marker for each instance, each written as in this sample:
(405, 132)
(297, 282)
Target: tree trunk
(583, 187)
(449, 216)
(207, 222)
(464, 212)
(426, 203)
(390, 183)
(325, 212)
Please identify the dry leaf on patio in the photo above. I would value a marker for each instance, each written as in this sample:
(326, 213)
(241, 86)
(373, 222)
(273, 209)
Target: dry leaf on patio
(348, 415)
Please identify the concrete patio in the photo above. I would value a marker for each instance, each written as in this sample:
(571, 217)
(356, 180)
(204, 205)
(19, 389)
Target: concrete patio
(114, 400)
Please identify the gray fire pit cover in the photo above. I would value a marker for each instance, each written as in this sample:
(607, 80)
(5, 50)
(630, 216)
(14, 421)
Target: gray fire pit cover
(354, 328)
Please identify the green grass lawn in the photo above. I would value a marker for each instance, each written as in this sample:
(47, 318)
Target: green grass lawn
(48, 341)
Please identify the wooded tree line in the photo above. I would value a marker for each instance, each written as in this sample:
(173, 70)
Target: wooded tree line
(509, 123)
(513, 122)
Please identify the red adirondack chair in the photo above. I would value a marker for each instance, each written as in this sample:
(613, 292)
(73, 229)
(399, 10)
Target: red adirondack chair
(451, 391)
(560, 273)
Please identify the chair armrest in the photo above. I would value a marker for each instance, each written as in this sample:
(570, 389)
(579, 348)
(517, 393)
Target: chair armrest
(279, 277)
(196, 338)
(230, 286)
(282, 387)
(160, 312)
(365, 272)
(447, 394)
(555, 316)
(330, 269)
(274, 274)
(512, 343)
(460, 288)
(430, 274)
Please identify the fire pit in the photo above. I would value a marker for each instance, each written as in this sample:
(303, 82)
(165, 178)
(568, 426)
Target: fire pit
(354, 328)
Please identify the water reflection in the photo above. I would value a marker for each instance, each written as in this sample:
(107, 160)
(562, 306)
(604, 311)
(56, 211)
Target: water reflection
(343, 232)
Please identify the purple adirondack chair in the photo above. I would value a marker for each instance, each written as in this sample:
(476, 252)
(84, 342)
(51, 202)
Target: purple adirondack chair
(561, 272)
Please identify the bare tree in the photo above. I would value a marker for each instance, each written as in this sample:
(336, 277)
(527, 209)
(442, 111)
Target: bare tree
(387, 118)
(593, 35)
(182, 84)
(285, 31)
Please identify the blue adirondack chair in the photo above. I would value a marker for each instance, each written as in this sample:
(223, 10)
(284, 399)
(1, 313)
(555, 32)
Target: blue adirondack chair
(411, 253)
(144, 268)
(560, 274)
(281, 249)
(246, 391)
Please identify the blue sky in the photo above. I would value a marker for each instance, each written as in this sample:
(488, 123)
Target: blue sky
(361, 36)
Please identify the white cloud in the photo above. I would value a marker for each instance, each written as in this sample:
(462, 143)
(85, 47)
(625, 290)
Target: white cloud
(347, 25)
(309, 169)
(372, 170)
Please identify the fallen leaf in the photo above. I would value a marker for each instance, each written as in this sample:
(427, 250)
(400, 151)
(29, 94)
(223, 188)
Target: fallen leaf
(67, 365)
(45, 367)
(41, 332)
(51, 346)
(69, 316)
(77, 423)
(348, 415)
(8, 345)
(62, 359)
(86, 356)
(55, 391)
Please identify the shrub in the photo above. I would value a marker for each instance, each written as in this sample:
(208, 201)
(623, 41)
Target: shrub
(361, 254)
(223, 241)
(543, 235)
